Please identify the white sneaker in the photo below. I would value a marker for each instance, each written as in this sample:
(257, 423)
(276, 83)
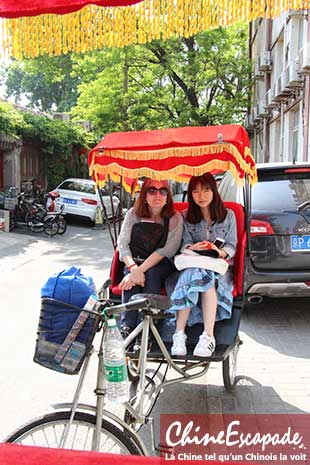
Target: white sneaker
(205, 346)
(179, 343)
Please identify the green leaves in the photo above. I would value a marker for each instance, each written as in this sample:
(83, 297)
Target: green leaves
(47, 82)
(12, 122)
(199, 80)
(57, 140)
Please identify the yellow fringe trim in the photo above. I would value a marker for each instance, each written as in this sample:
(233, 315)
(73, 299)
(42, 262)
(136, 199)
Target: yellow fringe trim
(161, 154)
(95, 27)
(177, 174)
(212, 149)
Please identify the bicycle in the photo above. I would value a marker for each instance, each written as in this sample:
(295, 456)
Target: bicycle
(99, 429)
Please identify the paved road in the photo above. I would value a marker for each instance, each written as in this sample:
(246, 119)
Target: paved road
(273, 363)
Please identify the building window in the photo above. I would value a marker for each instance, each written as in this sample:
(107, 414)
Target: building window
(301, 33)
(279, 136)
(295, 134)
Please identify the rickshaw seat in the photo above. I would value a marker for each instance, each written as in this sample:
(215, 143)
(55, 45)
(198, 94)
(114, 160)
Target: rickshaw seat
(117, 267)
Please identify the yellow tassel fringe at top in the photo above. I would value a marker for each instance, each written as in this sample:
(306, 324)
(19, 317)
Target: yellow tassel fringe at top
(96, 27)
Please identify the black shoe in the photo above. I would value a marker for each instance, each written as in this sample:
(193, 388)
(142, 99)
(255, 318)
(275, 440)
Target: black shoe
(137, 345)
(125, 331)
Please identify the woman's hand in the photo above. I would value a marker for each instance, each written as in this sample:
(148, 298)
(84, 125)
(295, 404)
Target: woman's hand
(127, 283)
(137, 275)
(204, 245)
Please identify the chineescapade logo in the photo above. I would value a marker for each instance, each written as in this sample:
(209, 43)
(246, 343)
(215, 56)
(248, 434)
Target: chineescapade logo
(276, 439)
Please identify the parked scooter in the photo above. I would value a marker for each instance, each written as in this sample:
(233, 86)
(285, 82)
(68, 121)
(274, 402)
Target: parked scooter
(34, 217)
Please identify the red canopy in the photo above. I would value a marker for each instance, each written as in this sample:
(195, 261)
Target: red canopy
(174, 153)
(17, 8)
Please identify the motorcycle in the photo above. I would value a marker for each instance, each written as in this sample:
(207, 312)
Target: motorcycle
(37, 218)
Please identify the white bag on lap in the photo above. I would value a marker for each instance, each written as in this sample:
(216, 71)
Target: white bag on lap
(191, 259)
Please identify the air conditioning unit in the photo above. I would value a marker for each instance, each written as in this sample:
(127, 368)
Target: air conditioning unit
(296, 13)
(280, 91)
(304, 59)
(62, 116)
(258, 73)
(292, 76)
(262, 112)
(259, 112)
(249, 121)
(256, 118)
(276, 90)
(270, 102)
(264, 61)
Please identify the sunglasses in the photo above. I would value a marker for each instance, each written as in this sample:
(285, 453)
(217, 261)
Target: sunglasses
(153, 191)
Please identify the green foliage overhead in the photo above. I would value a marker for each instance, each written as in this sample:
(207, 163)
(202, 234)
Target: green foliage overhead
(45, 81)
(200, 80)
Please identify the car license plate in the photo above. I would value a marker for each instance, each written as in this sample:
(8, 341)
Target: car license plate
(300, 243)
(71, 201)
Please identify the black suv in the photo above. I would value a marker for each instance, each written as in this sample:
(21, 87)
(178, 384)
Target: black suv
(279, 261)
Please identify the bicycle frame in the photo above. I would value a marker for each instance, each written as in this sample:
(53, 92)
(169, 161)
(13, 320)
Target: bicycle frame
(135, 406)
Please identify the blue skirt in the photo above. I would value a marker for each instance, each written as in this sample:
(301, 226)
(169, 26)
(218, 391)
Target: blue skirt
(184, 290)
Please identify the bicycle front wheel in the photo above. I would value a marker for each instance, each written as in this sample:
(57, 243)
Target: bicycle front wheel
(62, 225)
(47, 431)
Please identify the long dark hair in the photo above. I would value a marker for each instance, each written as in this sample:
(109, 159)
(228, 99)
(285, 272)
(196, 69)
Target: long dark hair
(217, 209)
(141, 207)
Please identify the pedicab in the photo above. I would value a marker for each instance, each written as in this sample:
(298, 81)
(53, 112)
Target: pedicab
(175, 154)
(172, 154)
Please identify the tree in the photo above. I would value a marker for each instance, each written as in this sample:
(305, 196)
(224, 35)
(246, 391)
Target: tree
(198, 80)
(45, 81)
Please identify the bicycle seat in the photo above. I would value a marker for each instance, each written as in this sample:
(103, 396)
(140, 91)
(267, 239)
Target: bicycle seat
(155, 301)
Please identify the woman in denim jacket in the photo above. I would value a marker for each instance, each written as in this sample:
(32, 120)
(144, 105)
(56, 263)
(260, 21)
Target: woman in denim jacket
(199, 291)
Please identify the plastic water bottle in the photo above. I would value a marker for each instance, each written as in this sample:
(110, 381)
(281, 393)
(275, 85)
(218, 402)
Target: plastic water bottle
(115, 369)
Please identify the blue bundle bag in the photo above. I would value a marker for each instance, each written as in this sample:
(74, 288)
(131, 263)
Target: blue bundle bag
(70, 286)
(63, 297)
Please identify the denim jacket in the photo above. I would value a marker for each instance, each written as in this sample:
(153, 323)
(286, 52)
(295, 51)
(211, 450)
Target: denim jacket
(202, 231)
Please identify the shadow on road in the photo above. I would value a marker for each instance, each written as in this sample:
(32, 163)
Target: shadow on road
(283, 324)
(249, 397)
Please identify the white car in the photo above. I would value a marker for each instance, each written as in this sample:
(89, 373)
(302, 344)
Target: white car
(81, 198)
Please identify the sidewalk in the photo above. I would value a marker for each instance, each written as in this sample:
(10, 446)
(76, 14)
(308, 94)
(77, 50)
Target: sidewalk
(12, 239)
(17, 248)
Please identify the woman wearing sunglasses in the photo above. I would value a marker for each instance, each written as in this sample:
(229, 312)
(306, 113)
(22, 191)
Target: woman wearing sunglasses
(150, 237)
(200, 294)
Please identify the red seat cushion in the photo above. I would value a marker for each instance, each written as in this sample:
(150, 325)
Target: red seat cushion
(117, 267)
(241, 243)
